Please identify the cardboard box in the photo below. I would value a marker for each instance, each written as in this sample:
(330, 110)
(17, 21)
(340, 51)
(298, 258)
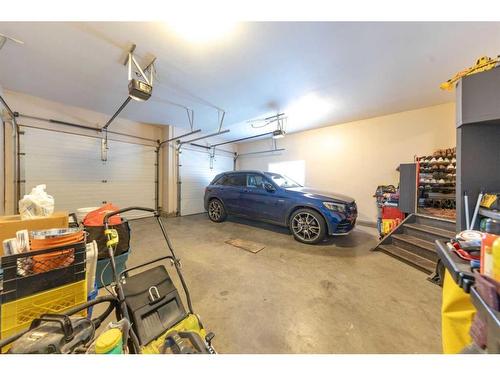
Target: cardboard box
(9, 225)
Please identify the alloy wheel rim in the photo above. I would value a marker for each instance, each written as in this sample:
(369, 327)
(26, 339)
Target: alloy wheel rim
(215, 210)
(305, 226)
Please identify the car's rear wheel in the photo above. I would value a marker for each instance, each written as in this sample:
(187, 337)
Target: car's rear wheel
(216, 211)
(308, 226)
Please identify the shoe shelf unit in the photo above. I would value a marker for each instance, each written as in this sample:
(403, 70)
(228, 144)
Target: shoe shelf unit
(436, 182)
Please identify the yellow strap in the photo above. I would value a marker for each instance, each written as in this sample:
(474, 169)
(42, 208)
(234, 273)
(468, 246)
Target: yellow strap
(457, 312)
(112, 236)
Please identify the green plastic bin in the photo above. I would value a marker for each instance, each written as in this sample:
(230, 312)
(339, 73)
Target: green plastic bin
(107, 278)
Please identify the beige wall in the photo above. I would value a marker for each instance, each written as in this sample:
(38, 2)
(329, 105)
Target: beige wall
(353, 158)
(35, 106)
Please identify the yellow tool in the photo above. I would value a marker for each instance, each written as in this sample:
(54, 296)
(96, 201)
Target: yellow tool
(483, 64)
(488, 200)
(112, 236)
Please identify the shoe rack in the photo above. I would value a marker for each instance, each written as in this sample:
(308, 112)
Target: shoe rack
(437, 179)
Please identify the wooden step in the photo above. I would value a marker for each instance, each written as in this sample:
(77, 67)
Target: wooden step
(437, 232)
(427, 245)
(435, 222)
(419, 246)
(414, 260)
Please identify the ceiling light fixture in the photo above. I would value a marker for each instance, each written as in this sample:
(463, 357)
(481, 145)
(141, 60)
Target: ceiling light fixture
(308, 109)
(201, 30)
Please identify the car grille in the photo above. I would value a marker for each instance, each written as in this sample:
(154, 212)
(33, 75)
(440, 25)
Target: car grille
(352, 209)
(345, 226)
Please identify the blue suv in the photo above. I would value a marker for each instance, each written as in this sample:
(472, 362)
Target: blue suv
(274, 198)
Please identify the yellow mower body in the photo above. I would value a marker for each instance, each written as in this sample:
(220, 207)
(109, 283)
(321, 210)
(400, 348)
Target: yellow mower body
(190, 323)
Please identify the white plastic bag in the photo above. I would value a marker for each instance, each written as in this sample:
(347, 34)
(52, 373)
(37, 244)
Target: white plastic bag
(37, 203)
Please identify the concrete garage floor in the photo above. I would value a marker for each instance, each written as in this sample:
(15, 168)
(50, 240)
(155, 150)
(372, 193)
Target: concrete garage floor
(337, 297)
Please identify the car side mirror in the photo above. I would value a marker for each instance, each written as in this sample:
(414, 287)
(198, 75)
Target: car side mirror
(269, 187)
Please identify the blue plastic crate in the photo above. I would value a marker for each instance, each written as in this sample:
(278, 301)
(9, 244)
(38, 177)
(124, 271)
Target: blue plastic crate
(92, 295)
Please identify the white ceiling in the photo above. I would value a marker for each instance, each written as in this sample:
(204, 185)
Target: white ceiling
(357, 70)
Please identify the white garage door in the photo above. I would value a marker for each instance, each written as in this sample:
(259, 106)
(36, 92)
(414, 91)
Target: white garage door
(195, 174)
(71, 167)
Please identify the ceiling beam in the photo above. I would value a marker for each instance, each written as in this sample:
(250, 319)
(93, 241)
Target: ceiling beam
(242, 139)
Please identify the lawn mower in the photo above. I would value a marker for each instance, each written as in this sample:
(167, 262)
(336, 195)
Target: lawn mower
(150, 315)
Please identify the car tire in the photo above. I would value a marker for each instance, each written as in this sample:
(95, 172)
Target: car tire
(308, 226)
(216, 211)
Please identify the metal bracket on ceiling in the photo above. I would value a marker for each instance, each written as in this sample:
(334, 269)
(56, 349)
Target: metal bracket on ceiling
(220, 118)
(190, 114)
(141, 73)
(4, 38)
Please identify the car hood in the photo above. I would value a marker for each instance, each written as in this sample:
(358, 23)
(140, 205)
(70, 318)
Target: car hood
(323, 195)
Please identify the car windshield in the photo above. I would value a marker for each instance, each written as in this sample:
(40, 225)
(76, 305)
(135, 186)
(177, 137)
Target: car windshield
(282, 181)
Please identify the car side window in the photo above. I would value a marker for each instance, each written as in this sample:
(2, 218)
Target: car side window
(221, 180)
(236, 180)
(255, 180)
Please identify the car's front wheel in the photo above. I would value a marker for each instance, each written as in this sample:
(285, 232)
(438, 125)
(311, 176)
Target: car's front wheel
(307, 226)
(216, 211)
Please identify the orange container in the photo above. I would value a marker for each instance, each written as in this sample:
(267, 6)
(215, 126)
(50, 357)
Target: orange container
(486, 267)
(47, 262)
(57, 259)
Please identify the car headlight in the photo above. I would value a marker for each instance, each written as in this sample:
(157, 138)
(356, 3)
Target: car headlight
(336, 207)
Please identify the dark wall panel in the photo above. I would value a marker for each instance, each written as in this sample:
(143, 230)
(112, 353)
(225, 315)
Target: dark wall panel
(408, 187)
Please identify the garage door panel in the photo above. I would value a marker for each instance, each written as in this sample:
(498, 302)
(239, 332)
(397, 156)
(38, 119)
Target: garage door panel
(196, 174)
(71, 167)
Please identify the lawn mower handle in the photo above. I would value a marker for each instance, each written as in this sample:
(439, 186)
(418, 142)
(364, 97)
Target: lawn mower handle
(110, 214)
(175, 260)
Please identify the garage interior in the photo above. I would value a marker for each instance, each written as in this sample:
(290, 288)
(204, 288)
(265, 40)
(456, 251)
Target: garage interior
(111, 115)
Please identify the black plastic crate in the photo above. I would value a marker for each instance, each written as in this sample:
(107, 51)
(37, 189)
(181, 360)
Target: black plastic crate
(36, 271)
(460, 270)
